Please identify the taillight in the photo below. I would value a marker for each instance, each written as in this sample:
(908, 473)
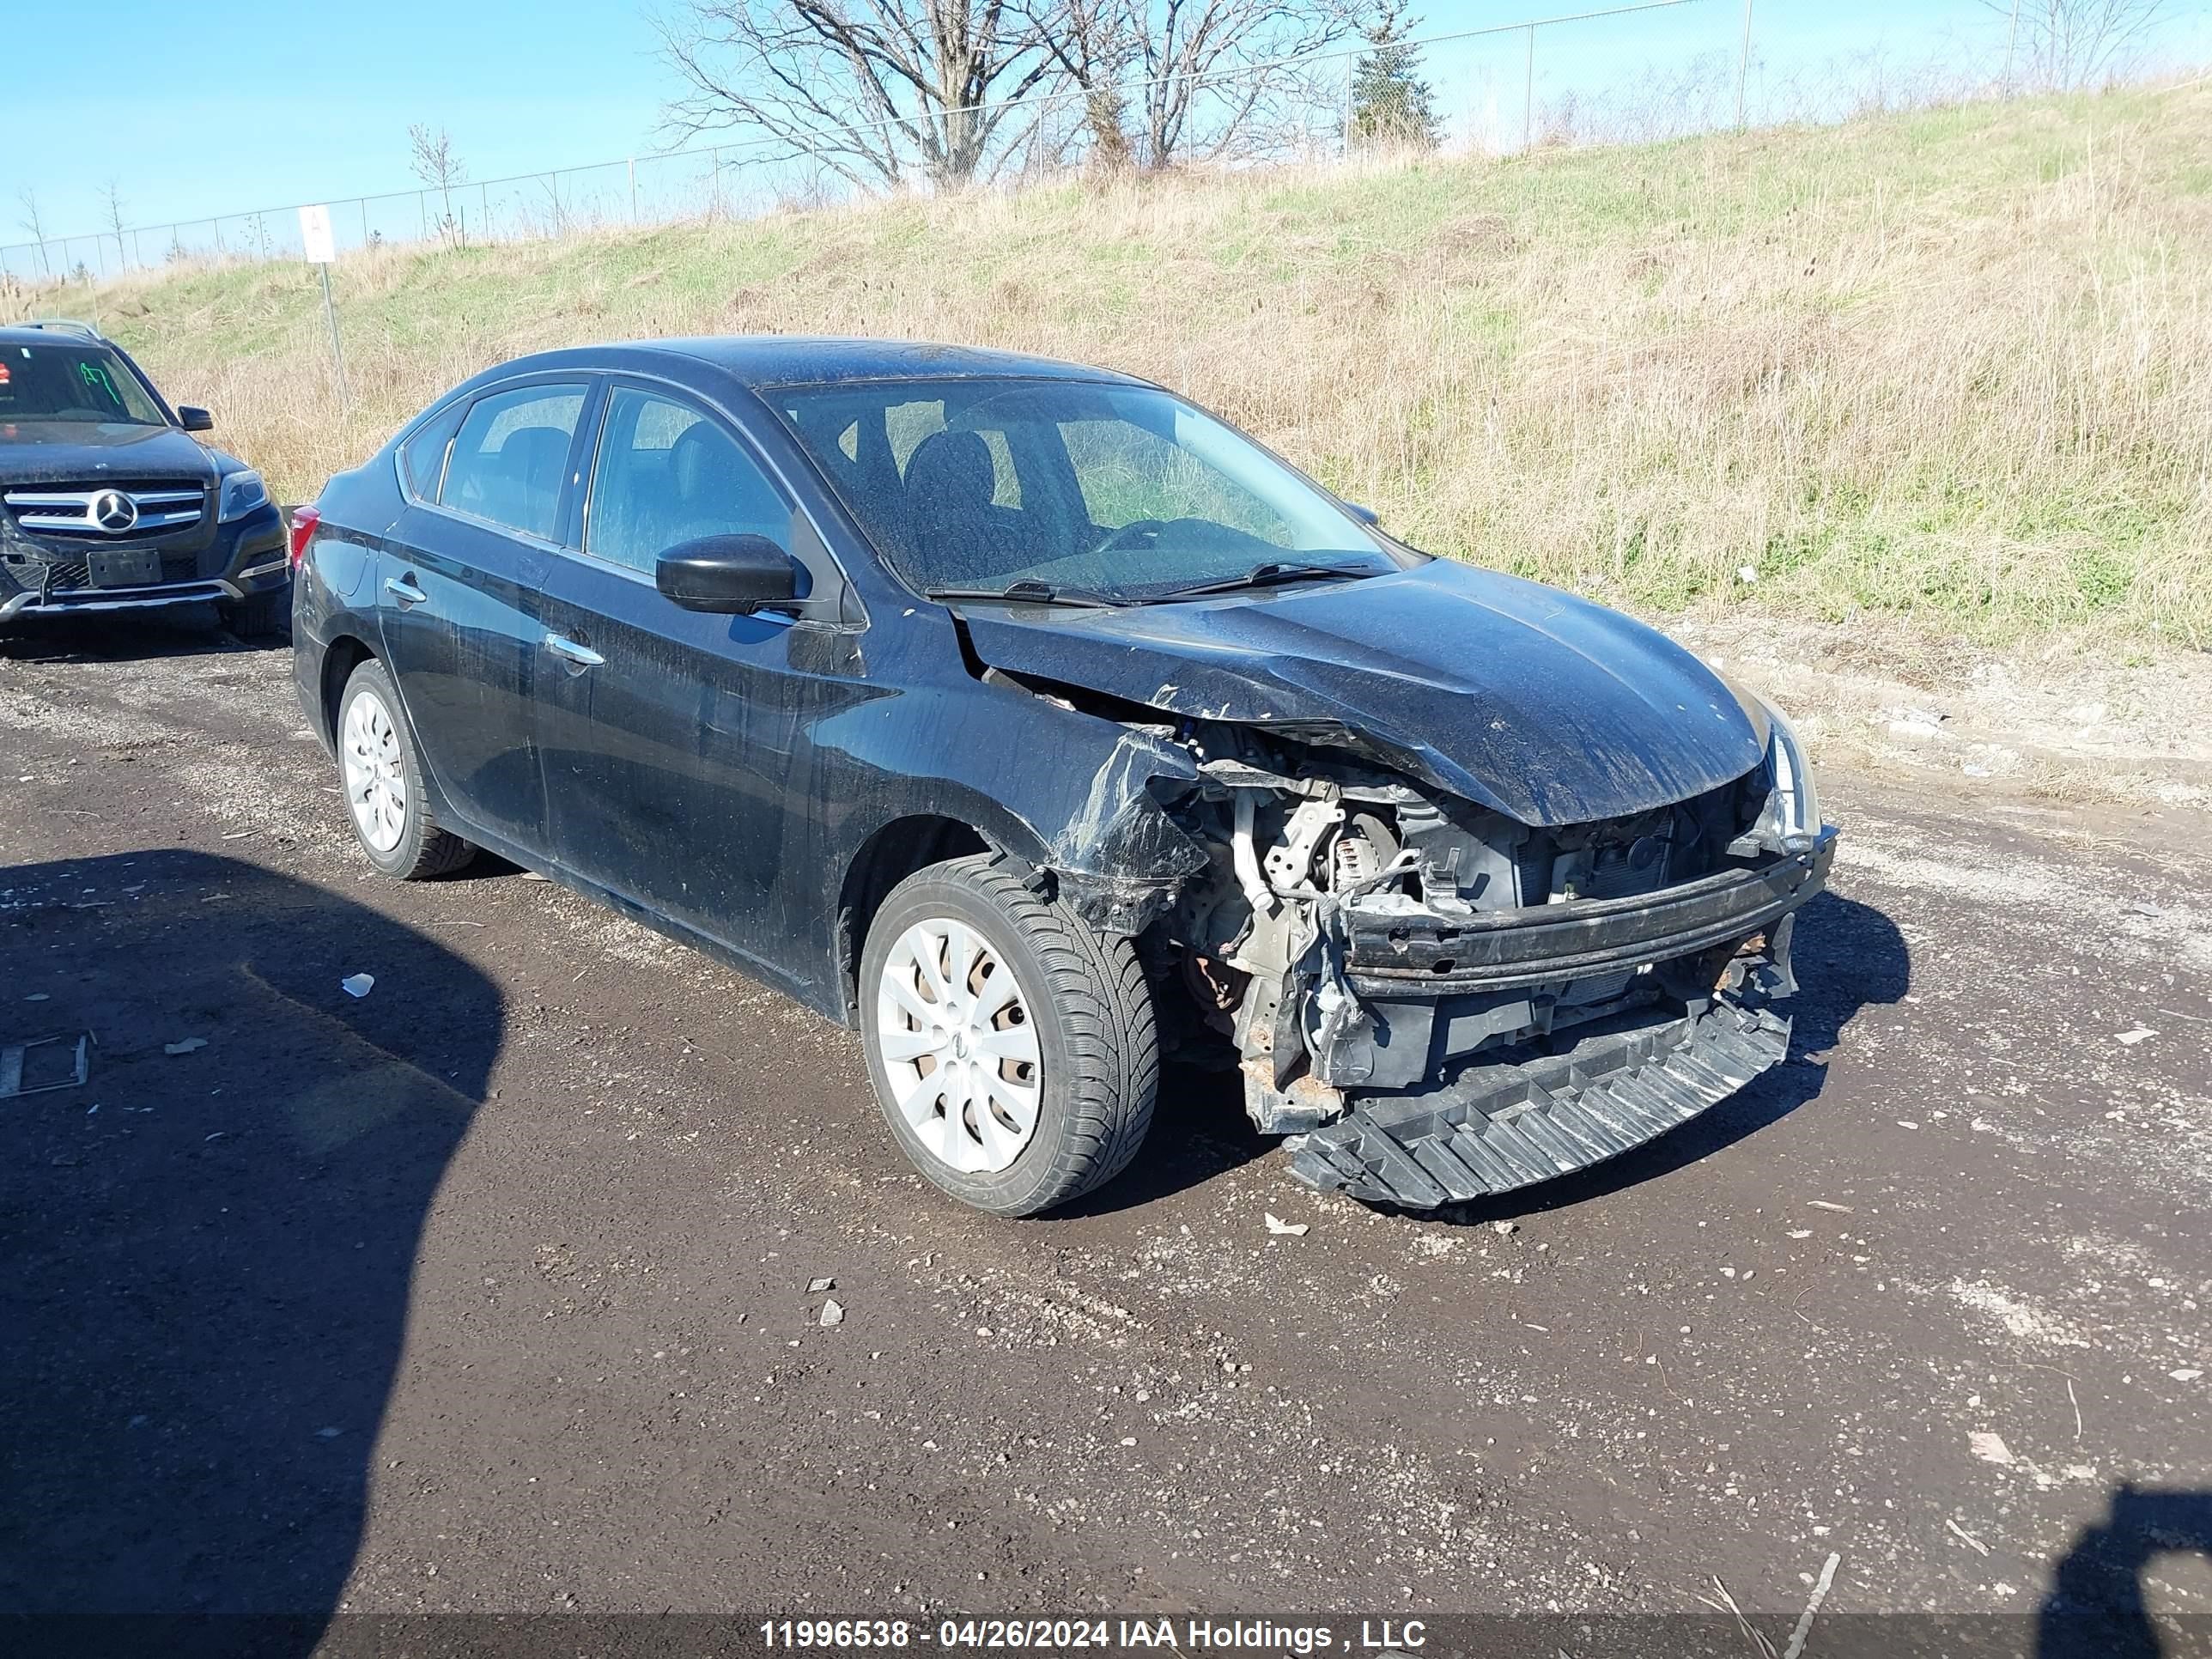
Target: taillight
(304, 520)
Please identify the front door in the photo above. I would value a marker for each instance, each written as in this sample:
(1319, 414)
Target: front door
(676, 763)
(457, 596)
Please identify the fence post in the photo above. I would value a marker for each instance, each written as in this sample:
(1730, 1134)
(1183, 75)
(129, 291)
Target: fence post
(633, 189)
(1528, 96)
(1743, 65)
(364, 221)
(2012, 39)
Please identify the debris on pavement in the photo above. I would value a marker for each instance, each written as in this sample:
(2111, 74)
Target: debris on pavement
(1505, 1226)
(1990, 1448)
(1812, 1607)
(833, 1312)
(1960, 1533)
(2141, 1034)
(358, 985)
(815, 1287)
(1823, 1204)
(1283, 1229)
(184, 1046)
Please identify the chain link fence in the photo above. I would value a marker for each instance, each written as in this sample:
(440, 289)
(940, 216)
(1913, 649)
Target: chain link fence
(1626, 74)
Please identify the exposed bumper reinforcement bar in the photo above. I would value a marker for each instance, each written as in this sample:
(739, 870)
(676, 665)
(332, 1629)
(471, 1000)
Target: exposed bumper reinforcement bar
(1502, 1126)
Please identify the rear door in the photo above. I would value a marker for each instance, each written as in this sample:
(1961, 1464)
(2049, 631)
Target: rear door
(458, 599)
(677, 759)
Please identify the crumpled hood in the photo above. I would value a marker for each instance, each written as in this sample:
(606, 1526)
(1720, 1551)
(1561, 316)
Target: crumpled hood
(1507, 693)
(84, 452)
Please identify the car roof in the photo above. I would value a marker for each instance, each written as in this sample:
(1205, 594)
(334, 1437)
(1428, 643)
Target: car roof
(46, 333)
(766, 360)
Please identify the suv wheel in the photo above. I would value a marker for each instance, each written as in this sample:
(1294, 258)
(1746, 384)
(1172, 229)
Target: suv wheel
(260, 615)
(383, 782)
(1012, 1049)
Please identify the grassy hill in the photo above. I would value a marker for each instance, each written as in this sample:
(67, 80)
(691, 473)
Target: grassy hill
(1952, 367)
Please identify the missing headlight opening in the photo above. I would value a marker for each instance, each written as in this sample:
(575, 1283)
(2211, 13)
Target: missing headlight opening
(1437, 1001)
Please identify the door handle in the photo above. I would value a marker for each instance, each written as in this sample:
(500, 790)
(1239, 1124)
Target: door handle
(569, 651)
(404, 590)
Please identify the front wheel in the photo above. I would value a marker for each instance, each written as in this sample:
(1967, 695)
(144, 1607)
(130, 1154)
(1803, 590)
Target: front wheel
(1012, 1049)
(260, 615)
(383, 779)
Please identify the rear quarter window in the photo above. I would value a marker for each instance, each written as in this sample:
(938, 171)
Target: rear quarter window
(423, 457)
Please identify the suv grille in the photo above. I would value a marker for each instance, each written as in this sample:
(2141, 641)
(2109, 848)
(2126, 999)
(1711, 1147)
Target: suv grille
(67, 510)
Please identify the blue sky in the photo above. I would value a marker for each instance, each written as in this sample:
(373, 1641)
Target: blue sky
(259, 104)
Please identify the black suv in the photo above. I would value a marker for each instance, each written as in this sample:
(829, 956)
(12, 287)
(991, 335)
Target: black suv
(110, 506)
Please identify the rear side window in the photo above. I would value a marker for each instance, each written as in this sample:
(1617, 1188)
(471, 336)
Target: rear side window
(668, 474)
(423, 457)
(511, 455)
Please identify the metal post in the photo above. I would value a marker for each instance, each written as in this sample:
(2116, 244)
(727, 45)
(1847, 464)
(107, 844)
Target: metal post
(2012, 39)
(484, 201)
(364, 221)
(1528, 96)
(1348, 78)
(633, 189)
(1743, 65)
(338, 356)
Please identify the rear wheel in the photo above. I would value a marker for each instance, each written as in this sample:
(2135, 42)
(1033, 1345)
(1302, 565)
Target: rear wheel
(1012, 1048)
(383, 782)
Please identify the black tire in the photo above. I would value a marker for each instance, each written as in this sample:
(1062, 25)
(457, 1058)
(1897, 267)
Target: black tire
(260, 615)
(1092, 1017)
(422, 849)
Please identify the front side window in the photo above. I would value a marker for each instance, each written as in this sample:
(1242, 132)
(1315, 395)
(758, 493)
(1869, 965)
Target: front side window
(667, 474)
(75, 382)
(1121, 491)
(510, 457)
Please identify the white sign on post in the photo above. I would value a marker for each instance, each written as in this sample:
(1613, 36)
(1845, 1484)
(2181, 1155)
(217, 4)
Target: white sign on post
(321, 249)
(315, 235)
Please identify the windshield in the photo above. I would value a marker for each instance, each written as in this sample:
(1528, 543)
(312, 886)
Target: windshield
(72, 382)
(1121, 492)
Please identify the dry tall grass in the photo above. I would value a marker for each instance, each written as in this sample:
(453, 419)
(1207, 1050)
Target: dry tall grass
(1956, 366)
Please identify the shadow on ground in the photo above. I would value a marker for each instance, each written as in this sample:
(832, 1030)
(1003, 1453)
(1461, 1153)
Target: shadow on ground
(2096, 1608)
(211, 1250)
(189, 631)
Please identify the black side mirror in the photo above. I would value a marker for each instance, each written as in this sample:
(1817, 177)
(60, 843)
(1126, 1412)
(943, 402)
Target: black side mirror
(194, 419)
(1364, 515)
(736, 575)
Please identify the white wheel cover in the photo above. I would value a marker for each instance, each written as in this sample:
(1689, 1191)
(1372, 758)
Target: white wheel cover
(375, 779)
(958, 1042)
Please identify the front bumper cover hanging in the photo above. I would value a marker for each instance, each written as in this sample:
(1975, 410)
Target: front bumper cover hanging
(1504, 1126)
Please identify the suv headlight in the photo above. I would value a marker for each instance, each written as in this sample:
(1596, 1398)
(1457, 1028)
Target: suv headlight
(1796, 801)
(242, 492)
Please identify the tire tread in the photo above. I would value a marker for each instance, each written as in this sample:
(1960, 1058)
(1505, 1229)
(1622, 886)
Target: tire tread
(1097, 993)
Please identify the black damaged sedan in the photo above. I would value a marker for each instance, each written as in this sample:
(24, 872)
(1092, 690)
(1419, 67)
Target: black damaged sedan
(1036, 722)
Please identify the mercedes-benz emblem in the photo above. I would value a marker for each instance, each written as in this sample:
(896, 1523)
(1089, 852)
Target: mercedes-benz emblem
(114, 512)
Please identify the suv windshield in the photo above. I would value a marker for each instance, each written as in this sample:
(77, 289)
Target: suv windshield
(72, 381)
(1068, 486)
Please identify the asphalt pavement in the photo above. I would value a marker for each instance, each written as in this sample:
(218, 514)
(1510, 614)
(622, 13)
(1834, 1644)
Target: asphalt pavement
(489, 1290)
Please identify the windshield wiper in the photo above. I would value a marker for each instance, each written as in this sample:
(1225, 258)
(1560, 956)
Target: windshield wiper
(1274, 573)
(1028, 591)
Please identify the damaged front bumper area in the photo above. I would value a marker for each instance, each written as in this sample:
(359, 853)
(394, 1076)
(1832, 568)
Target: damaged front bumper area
(1456, 1055)
(1510, 1123)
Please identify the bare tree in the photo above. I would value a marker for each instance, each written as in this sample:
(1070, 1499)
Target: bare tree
(33, 222)
(435, 163)
(882, 91)
(111, 198)
(2065, 46)
(1202, 74)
